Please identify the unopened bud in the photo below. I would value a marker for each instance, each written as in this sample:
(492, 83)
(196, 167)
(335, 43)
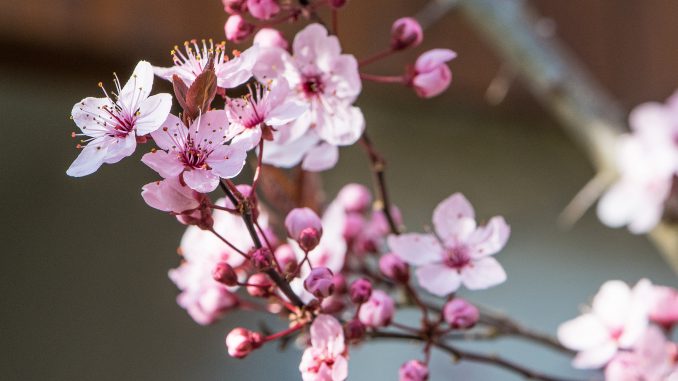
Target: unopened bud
(460, 314)
(240, 342)
(355, 197)
(355, 331)
(263, 9)
(237, 29)
(305, 227)
(262, 259)
(224, 274)
(406, 33)
(269, 37)
(394, 268)
(378, 310)
(260, 285)
(336, 4)
(360, 291)
(319, 282)
(234, 6)
(286, 258)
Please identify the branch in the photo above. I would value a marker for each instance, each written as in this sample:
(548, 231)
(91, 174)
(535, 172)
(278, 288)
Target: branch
(378, 165)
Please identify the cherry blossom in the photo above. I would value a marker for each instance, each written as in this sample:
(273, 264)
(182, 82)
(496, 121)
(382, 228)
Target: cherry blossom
(431, 75)
(326, 358)
(198, 152)
(269, 37)
(617, 319)
(461, 252)
(190, 63)
(112, 124)
(651, 359)
(171, 195)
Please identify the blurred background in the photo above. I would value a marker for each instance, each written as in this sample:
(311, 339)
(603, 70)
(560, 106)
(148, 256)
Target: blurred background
(85, 293)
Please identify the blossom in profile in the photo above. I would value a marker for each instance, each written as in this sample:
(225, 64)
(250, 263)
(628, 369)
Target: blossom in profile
(431, 75)
(617, 320)
(647, 161)
(329, 82)
(230, 72)
(326, 358)
(198, 153)
(460, 252)
(110, 125)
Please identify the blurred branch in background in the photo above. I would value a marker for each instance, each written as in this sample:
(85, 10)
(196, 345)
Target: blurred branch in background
(560, 83)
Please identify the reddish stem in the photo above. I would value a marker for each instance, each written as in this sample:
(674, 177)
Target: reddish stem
(376, 57)
(384, 78)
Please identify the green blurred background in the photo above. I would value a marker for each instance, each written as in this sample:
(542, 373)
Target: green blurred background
(85, 294)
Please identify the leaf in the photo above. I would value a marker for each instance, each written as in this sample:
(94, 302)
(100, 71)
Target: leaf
(180, 90)
(200, 95)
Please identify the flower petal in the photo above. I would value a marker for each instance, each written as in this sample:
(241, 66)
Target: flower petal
(321, 157)
(595, 358)
(89, 160)
(438, 279)
(138, 87)
(166, 164)
(583, 332)
(152, 113)
(201, 180)
(483, 273)
(489, 239)
(454, 219)
(416, 249)
(228, 160)
(171, 132)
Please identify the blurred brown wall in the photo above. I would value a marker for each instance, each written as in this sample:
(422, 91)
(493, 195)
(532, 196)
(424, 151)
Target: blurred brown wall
(630, 45)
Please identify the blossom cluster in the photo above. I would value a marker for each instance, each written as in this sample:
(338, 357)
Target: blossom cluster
(626, 330)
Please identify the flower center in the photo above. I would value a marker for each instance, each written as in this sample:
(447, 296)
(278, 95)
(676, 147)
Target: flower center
(312, 86)
(192, 156)
(457, 257)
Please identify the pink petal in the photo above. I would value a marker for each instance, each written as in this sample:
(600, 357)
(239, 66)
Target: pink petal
(595, 357)
(289, 154)
(152, 113)
(341, 124)
(211, 126)
(201, 180)
(438, 279)
(483, 273)
(237, 70)
(228, 160)
(313, 44)
(120, 148)
(320, 158)
(433, 58)
(454, 218)
(416, 249)
(327, 334)
(169, 195)
(248, 138)
(432, 83)
(489, 239)
(340, 369)
(583, 332)
(171, 130)
(345, 70)
(166, 164)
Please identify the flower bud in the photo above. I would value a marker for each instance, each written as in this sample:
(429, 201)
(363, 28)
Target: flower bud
(394, 268)
(460, 314)
(305, 227)
(378, 310)
(224, 274)
(406, 33)
(240, 342)
(237, 29)
(263, 9)
(355, 197)
(431, 74)
(332, 305)
(234, 7)
(339, 284)
(319, 282)
(355, 331)
(336, 4)
(354, 224)
(260, 285)
(262, 259)
(413, 370)
(286, 258)
(269, 38)
(664, 306)
(360, 291)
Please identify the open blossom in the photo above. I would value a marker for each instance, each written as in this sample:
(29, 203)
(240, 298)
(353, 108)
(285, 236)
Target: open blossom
(190, 63)
(431, 74)
(647, 160)
(111, 125)
(198, 152)
(326, 79)
(617, 319)
(463, 256)
(264, 106)
(651, 359)
(326, 358)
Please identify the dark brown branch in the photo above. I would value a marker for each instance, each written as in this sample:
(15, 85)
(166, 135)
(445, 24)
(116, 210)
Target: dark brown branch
(378, 164)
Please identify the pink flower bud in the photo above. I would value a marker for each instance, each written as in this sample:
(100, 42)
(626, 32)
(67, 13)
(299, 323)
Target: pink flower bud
(360, 291)
(234, 6)
(355, 331)
(353, 225)
(286, 258)
(320, 282)
(262, 259)
(355, 197)
(269, 38)
(224, 274)
(413, 370)
(394, 268)
(664, 306)
(305, 227)
(378, 310)
(406, 33)
(339, 284)
(336, 4)
(240, 342)
(431, 75)
(263, 9)
(260, 285)
(460, 314)
(237, 29)
(332, 305)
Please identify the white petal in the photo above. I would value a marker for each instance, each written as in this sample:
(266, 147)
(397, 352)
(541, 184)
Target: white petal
(583, 332)
(595, 357)
(438, 279)
(320, 158)
(138, 87)
(612, 303)
(89, 160)
(416, 249)
(454, 218)
(152, 113)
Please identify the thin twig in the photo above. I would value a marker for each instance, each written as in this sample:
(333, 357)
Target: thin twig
(378, 165)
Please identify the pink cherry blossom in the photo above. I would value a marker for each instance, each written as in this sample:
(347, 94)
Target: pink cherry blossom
(617, 319)
(269, 37)
(664, 306)
(406, 33)
(326, 358)
(378, 311)
(198, 152)
(241, 342)
(647, 160)
(431, 75)
(190, 63)
(170, 195)
(111, 125)
(329, 81)
(413, 370)
(264, 106)
(462, 252)
(263, 9)
(235, 6)
(237, 29)
(651, 359)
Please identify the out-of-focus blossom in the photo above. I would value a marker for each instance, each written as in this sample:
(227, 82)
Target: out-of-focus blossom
(336, 4)
(647, 160)
(197, 153)
(406, 33)
(431, 74)
(270, 38)
(237, 29)
(326, 358)
(360, 291)
(319, 282)
(189, 64)
(378, 311)
(460, 314)
(354, 198)
(617, 319)
(240, 342)
(463, 256)
(305, 227)
(394, 268)
(651, 359)
(260, 285)
(263, 9)
(326, 79)
(235, 6)
(286, 258)
(664, 306)
(111, 125)
(413, 370)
